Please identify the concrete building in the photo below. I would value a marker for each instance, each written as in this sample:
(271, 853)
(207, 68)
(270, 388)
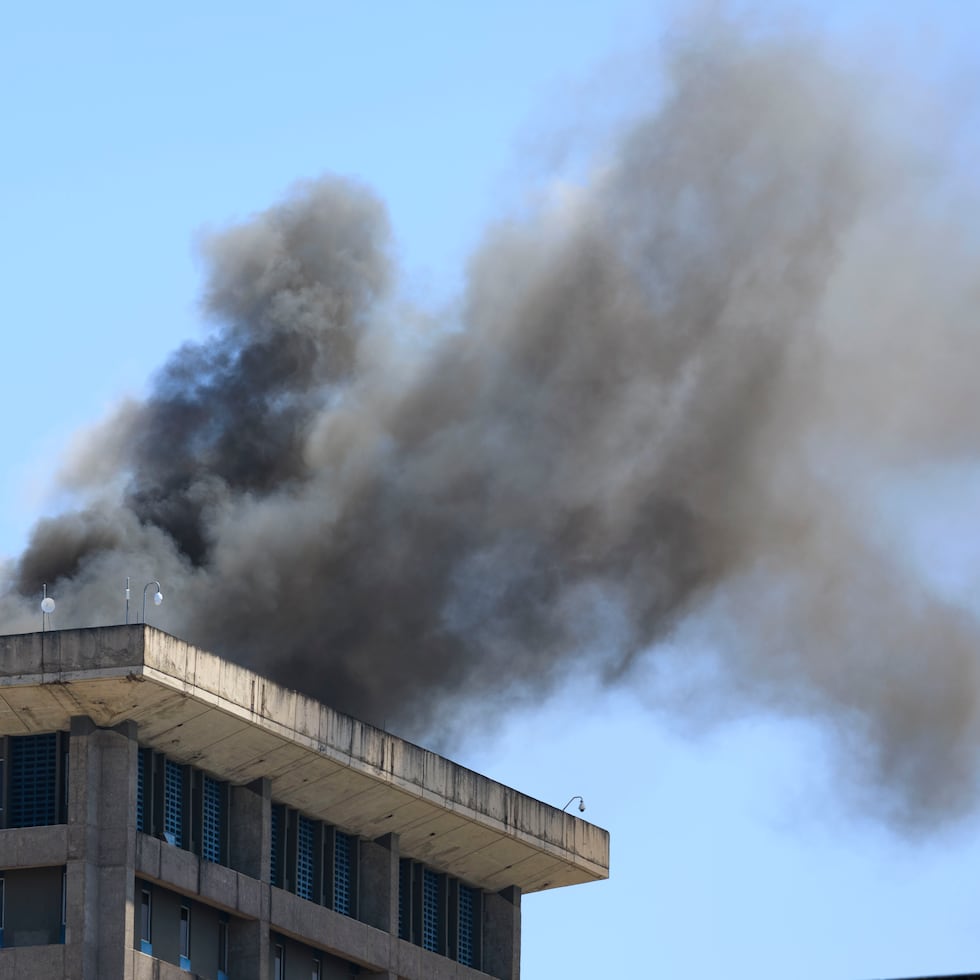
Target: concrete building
(167, 813)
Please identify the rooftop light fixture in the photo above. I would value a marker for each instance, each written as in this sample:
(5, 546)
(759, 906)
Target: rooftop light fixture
(47, 607)
(157, 596)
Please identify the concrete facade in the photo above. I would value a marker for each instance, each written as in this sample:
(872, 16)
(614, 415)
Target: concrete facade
(193, 818)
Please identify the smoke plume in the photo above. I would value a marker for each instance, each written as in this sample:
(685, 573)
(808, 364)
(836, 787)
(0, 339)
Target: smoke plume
(667, 395)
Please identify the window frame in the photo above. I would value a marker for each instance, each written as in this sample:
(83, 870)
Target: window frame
(146, 920)
(184, 938)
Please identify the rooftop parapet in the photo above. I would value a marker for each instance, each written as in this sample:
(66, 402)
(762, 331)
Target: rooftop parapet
(239, 726)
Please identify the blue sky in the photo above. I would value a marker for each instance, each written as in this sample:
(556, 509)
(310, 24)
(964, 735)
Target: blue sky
(130, 131)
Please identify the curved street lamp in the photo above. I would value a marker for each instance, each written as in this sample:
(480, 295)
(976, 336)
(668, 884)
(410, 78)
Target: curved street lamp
(157, 596)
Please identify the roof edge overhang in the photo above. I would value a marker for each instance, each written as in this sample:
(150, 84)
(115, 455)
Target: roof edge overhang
(239, 725)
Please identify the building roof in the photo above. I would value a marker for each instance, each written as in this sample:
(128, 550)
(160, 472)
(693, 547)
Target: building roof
(239, 726)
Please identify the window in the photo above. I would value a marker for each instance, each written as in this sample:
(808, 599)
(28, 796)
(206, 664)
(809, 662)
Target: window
(64, 902)
(313, 860)
(146, 918)
(223, 945)
(182, 805)
(3, 906)
(342, 873)
(185, 937)
(464, 937)
(404, 898)
(173, 803)
(317, 968)
(140, 791)
(431, 902)
(212, 823)
(279, 963)
(34, 780)
(276, 850)
(63, 807)
(304, 857)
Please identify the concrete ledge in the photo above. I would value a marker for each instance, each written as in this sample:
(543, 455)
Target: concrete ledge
(34, 847)
(148, 856)
(143, 967)
(215, 881)
(178, 867)
(233, 891)
(353, 940)
(410, 960)
(338, 934)
(183, 872)
(252, 897)
(25, 962)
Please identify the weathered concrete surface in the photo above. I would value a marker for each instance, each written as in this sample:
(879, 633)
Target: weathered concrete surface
(379, 883)
(102, 826)
(142, 967)
(33, 961)
(34, 847)
(241, 727)
(502, 933)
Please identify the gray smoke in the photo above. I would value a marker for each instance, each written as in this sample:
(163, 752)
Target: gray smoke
(669, 392)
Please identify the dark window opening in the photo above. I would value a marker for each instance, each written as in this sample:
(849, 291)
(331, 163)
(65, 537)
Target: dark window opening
(431, 903)
(304, 857)
(276, 852)
(465, 927)
(146, 918)
(223, 946)
(342, 883)
(34, 780)
(173, 803)
(213, 820)
(185, 937)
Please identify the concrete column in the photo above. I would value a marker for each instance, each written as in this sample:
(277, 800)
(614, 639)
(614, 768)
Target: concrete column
(249, 851)
(502, 934)
(101, 850)
(248, 949)
(379, 883)
(250, 829)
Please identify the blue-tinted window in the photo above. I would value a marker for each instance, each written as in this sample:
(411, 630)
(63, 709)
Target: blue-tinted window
(404, 897)
(173, 802)
(342, 873)
(274, 873)
(33, 780)
(464, 939)
(304, 857)
(430, 910)
(140, 791)
(213, 819)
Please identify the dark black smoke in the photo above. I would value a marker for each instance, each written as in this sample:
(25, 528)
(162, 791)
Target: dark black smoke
(665, 391)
